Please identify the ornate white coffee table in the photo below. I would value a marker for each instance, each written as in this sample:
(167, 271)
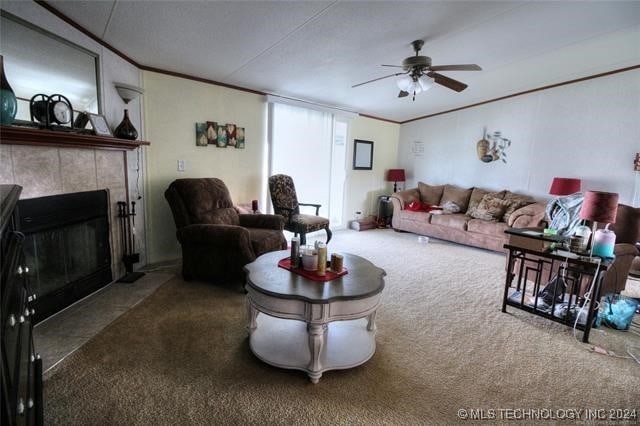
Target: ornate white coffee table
(312, 326)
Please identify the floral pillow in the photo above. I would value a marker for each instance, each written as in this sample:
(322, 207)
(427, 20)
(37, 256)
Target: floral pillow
(515, 204)
(490, 208)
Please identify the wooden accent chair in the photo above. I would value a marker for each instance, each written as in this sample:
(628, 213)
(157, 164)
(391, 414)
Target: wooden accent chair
(217, 241)
(285, 203)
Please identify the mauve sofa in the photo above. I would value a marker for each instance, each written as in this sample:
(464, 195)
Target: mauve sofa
(521, 212)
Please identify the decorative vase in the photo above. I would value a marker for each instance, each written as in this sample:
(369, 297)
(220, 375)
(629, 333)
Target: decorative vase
(8, 103)
(125, 130)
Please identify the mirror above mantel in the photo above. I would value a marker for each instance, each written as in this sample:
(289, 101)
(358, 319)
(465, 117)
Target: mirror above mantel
(37, 61)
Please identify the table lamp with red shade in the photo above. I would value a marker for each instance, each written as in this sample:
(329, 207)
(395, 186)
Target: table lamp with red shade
(395, 176)
(601, 207)
(557, 210)
(564, 186)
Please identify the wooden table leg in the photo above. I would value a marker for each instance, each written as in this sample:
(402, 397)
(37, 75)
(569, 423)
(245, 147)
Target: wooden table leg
(316, 343)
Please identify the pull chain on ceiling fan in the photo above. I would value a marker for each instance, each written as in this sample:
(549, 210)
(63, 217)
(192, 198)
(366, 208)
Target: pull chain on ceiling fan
(419, 75)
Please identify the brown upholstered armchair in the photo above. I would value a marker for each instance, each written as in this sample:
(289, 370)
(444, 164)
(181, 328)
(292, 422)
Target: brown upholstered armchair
(285, 203)
(217, 241)
(627, 229)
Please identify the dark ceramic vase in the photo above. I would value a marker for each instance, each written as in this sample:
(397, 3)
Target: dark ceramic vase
(125, 130)
(8, 103)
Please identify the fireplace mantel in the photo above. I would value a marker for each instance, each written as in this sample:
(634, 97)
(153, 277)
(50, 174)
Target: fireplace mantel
(14, 135)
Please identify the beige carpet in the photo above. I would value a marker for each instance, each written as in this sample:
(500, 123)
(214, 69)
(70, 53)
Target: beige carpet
(181, 356)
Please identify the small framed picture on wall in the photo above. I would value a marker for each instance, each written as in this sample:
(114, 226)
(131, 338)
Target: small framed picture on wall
(222, 136)
(201, 134)
(240, 137)
(212, 132)
(362, 155)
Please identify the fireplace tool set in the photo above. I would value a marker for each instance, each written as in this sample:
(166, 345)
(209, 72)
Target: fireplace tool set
(127, 237)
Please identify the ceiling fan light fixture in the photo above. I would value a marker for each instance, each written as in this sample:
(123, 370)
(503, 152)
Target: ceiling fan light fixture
(404, 83)
(425, 82)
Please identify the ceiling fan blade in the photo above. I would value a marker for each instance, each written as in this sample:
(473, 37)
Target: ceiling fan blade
(403, 94)
(461, 67)
(452, 84)
(379, 78)
(394, 66)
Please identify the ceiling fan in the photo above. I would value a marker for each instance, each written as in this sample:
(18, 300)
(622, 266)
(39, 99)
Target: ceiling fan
(419, 75)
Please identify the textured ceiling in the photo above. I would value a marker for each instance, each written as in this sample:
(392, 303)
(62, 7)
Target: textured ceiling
(316, 50)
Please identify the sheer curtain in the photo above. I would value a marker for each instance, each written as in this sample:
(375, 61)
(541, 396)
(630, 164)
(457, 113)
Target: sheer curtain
(301, 148)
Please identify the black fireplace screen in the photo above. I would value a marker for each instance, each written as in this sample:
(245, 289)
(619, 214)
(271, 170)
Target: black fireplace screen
(66, 247)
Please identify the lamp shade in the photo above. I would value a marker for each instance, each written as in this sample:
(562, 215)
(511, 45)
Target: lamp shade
(426, 82)
(128, 92)
(599, 206)
(395, 175)
(564, 186)
(404, 82)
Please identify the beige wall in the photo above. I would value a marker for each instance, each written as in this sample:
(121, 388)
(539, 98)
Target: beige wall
(364, 186)
(172, 107)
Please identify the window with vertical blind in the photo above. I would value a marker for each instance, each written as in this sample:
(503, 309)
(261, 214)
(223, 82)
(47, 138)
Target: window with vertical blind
(310, 146)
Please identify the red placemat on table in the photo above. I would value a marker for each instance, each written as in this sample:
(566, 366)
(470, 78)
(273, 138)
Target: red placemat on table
(312, 275)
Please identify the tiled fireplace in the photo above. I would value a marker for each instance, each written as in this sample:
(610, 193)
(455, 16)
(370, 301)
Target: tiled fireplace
(51, 170)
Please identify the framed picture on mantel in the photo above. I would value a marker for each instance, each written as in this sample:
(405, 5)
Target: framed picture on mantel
(362, 155)
(99, 124)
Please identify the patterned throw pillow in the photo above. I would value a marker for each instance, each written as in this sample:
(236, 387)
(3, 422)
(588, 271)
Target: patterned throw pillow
(515, 204)
(490, 208)
(476, 196)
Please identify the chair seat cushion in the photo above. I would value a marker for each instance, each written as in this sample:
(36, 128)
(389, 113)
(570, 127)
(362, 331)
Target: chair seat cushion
(266, 240)
(309, 223)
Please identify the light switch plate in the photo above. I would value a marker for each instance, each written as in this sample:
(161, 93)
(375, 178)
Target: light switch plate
(181, 165)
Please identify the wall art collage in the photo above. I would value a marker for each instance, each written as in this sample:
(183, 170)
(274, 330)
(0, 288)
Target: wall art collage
(219, 135)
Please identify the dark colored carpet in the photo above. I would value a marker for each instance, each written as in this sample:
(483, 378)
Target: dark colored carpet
(182, 357)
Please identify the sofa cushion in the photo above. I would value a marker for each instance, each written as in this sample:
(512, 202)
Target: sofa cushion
(456, 220)
(514, 205)
(457, 195)
(476, 197)
(490, 208)
(481, 226)
(515, 201)
(419, 217)
(430, 194)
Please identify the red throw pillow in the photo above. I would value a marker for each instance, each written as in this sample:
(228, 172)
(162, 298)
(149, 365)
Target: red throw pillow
(415, 206)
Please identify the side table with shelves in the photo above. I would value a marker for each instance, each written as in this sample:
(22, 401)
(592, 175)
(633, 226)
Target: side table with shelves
(533, 261)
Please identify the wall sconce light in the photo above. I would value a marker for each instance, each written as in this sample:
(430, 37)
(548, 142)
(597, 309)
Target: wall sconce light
(128, 92)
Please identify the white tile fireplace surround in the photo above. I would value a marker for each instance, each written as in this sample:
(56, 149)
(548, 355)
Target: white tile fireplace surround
(43, 170)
